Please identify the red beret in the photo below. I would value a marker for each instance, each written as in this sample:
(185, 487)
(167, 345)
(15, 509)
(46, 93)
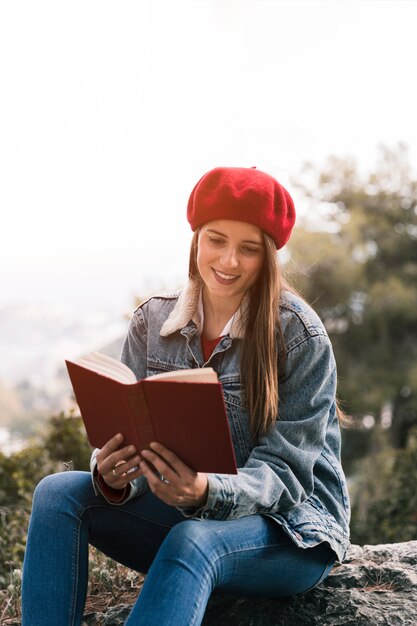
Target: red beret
(244, 194)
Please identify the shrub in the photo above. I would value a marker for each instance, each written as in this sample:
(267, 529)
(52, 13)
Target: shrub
(384, 497)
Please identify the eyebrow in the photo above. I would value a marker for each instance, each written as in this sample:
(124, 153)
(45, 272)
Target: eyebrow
(251, 241)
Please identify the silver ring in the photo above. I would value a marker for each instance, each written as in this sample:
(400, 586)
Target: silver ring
(163, 479)
(114, 473)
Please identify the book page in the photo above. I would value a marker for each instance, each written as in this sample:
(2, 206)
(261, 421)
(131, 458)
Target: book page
(106, 365)
(199, 375)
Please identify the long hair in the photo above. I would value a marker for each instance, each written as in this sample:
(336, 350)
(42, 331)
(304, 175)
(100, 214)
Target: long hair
(263, 349)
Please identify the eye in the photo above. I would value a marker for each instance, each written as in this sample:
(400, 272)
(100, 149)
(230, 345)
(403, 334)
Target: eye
(217, 241)
(250, 250)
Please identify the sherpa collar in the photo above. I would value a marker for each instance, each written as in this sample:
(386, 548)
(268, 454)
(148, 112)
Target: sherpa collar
(186, 309)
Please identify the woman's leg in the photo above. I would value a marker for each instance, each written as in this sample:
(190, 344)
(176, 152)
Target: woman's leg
(251, 555)
(66, 516)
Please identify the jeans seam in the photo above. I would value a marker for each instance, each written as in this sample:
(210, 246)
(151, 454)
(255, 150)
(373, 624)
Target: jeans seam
(75, 573)
(196, 609)
(323, 574)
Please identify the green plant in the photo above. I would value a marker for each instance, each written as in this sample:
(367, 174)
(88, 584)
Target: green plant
(384, 497)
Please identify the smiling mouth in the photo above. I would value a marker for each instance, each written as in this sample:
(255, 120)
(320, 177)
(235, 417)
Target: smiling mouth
(225, 278)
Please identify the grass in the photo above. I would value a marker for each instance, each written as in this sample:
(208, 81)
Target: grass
(109, 584)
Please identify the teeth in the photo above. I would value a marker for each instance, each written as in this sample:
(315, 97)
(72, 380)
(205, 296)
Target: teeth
(225, 276)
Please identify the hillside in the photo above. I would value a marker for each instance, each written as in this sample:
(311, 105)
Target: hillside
(11, 407)
(34, 341)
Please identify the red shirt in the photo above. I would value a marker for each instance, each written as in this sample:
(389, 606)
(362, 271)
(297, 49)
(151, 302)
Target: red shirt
(208, 345)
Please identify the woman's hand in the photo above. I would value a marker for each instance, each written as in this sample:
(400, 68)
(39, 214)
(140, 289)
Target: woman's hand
(176, 484)
(118, 466)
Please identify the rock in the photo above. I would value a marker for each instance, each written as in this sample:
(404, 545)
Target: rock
(116, 616)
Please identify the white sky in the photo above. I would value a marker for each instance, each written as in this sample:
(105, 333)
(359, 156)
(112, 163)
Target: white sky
(111, 111)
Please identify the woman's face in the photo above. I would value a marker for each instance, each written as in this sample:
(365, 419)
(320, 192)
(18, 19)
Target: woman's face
(230, 257)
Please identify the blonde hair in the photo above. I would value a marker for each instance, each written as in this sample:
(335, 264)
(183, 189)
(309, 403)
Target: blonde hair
(263, 349)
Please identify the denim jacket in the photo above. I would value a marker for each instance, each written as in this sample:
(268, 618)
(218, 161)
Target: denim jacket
(293, 473)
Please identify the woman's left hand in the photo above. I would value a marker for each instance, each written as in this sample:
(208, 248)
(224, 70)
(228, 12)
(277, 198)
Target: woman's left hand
(179, 485)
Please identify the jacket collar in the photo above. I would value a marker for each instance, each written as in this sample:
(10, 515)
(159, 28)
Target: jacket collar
(186, 310)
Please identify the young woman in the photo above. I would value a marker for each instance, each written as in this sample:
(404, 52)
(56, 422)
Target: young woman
(277, 527)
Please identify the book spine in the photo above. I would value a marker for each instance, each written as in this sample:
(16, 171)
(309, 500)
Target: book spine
(140, 413)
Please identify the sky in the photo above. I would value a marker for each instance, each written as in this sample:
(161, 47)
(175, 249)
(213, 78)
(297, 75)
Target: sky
(111, 111)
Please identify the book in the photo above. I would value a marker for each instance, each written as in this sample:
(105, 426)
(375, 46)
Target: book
(183, 410)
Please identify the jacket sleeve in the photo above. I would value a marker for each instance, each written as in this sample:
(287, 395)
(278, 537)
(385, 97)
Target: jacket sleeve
(134, 351)
(278, 474)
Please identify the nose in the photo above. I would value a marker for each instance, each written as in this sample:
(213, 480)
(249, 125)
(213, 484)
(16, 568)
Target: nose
(230, 258)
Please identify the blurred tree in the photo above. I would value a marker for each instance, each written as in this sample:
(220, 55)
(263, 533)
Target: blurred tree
(66, 442)
(384, 496)
(62, 445)
(356, 261)
(8, 485)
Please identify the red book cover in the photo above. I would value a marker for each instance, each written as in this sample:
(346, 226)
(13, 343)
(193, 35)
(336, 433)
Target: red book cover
(188, 418)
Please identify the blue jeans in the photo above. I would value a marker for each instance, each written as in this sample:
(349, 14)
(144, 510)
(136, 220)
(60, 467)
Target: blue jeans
(185, 560)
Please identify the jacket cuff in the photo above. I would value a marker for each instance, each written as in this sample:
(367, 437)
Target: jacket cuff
(220, 500)
(115, 496)
(135, 488)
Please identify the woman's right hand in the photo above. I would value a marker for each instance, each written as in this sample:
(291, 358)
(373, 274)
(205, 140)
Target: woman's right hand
(118, 466)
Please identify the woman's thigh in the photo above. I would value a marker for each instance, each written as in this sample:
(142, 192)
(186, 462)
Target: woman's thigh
(250, 555)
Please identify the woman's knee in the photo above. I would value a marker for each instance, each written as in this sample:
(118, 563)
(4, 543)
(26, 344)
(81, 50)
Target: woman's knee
(55, 488)
(192, 539)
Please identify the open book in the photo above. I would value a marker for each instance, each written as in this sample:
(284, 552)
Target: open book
(184, 410)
